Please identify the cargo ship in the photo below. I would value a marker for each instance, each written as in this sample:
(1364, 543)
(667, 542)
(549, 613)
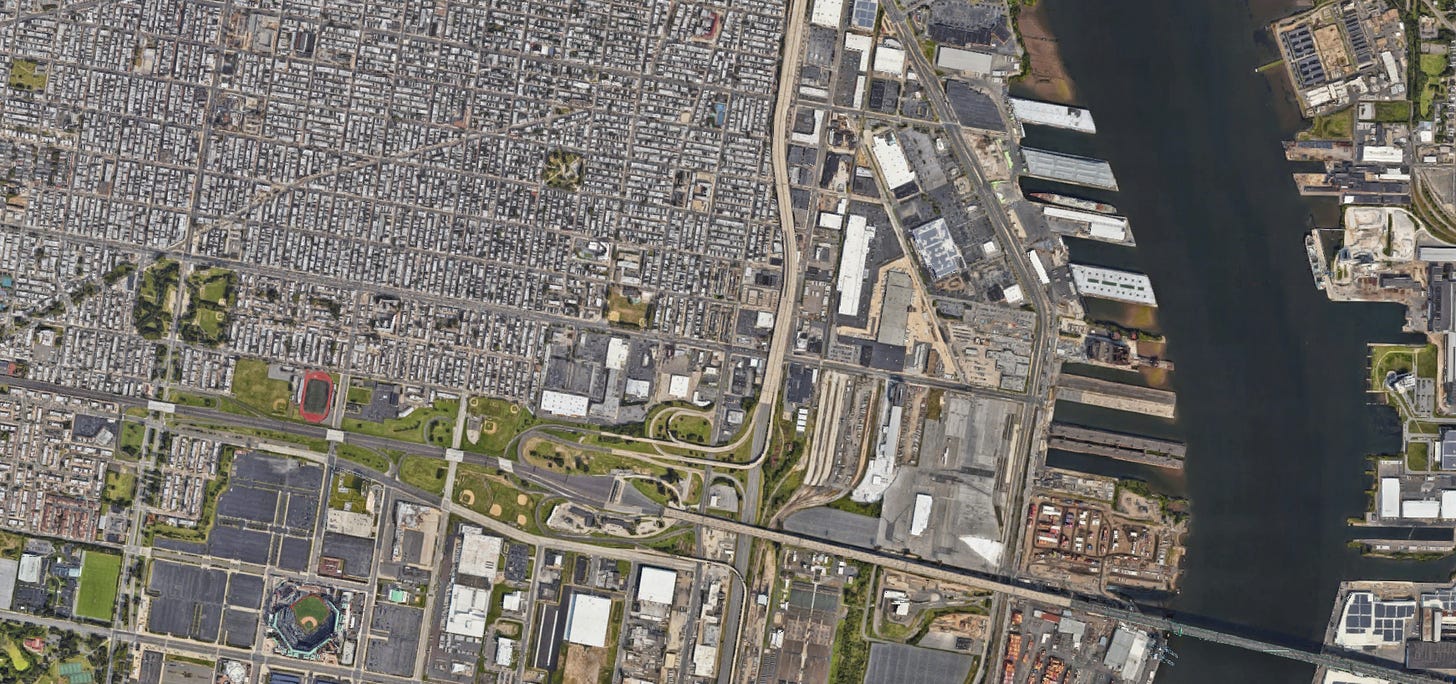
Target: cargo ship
(1074, 202)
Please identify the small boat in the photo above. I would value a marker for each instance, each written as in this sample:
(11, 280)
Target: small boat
(1074, 202)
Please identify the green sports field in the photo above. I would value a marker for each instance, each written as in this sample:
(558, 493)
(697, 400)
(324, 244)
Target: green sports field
(96, 597)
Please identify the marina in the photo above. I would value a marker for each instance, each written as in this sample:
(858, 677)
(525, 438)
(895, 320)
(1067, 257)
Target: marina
(1069, 168)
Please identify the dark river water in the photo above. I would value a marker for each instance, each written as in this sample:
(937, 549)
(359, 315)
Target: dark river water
(1269, 373)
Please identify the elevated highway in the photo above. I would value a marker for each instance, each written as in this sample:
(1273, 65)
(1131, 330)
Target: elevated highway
(1062, 598)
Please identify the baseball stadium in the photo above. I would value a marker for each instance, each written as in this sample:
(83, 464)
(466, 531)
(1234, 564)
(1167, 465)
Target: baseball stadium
(303, 620)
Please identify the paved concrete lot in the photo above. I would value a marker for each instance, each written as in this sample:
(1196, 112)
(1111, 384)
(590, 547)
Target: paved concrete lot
(835, 525)
(957, 468)
(393, 656)
(898, 663)
(356, 553)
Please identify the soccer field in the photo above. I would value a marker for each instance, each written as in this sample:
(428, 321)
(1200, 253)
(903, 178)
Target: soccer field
(96, 596)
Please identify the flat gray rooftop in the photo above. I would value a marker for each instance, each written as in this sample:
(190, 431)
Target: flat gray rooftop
(1069, 168)
(898, 663)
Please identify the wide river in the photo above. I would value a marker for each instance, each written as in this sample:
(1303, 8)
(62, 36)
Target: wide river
(1270, 373)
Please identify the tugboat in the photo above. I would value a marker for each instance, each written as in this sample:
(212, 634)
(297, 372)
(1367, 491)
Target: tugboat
(1312, 252)
(1074, 202)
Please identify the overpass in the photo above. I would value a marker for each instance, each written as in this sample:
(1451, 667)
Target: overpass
(1062, 598)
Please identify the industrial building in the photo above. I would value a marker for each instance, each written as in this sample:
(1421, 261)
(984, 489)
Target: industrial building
(1055, 115)
(564, 404)
(1069, 168)
(656, 585)
(1107, 283)
(894, 167)
(468, 609)
(937, 250)
(895, 308)
(479, 554)
(969, 61)
(857, 236)
(920, 519)
(1097, 226)
(827, 13)
(588, 619)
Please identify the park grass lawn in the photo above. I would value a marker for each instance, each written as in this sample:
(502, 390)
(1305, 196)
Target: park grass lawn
(207, 293)
(96, 597)
(1336, 126)
(424, 472)
(1398, 111)
(129, 445)
(432, 425)
(691, 428)
(364, 456)
(11, 545)
(622, 310)
(16, 655)
(1401, 359)
(501, 420)
(120, 487)
(152, 311)
(359, 395)
(252, 386)
(570, 461)
(213, 285)
(484, 491)
(1417, 456)
(1433, 65)
(27, 74)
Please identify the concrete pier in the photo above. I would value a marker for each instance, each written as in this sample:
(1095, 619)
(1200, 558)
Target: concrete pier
(1117, 396)
(1132, 448)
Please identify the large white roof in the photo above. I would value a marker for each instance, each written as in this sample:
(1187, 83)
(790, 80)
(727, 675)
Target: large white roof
(479, 555)
(468, 609)
(892, 161)
(587, 621)
(656, 585)
(563, 404)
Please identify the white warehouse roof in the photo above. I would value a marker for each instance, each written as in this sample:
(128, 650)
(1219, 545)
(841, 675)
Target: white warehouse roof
(468, 609)
(893, 164)
(857, 236)
(656, 585)
(563, 404)
(890, 59)
(586, 622)
(827, 13)
(1423, 509)
(920, 518)
(1390, 497)
(479, 555)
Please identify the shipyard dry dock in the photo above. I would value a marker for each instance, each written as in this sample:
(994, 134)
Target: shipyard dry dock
(1055, 115)
(1117, 396)
(1069, 168)
(1132, 448)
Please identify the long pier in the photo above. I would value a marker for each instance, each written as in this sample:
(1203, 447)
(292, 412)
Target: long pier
(1132, 448)
(1115, 395)
(1054, 596)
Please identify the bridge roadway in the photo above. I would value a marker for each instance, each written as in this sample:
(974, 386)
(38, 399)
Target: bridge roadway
(1033, 591)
